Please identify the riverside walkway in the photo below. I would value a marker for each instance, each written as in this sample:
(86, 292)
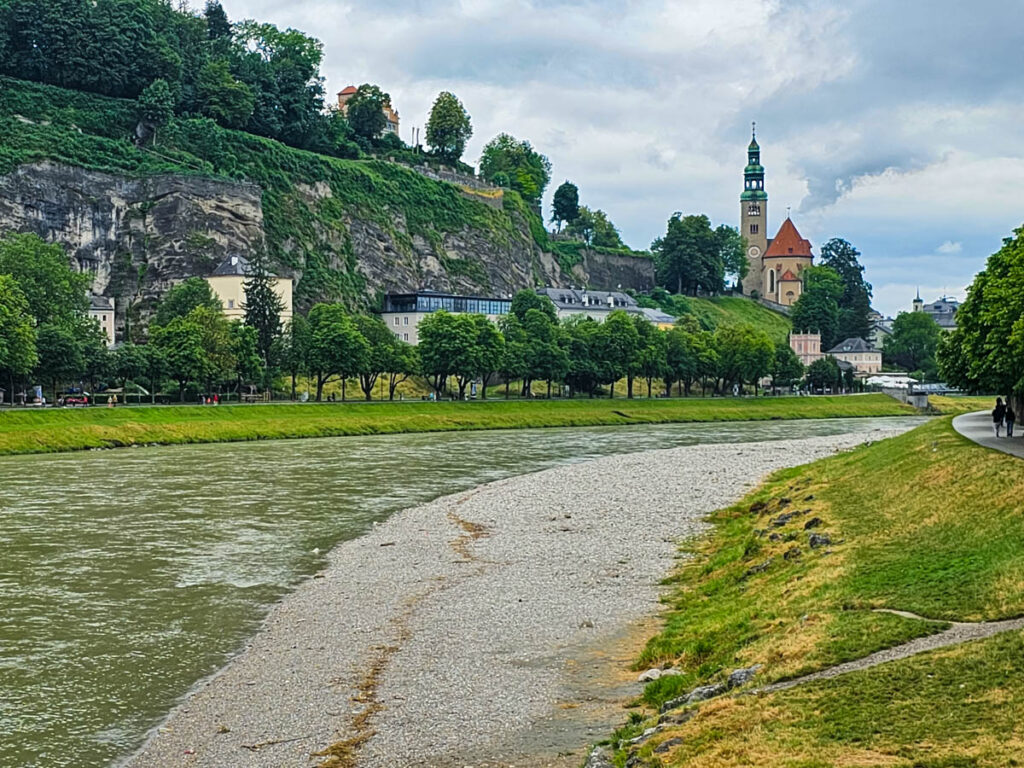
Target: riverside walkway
(977, 426)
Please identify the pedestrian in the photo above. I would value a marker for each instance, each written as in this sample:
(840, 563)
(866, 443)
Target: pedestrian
(216, 398)
(998, 414)
(1010, 417)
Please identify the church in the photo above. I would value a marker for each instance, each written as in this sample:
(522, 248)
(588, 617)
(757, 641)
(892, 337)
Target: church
(776, 263)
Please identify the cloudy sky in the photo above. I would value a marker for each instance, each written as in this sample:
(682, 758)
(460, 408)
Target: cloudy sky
(896, 124)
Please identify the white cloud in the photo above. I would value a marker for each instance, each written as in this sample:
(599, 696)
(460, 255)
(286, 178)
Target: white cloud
(950, 247)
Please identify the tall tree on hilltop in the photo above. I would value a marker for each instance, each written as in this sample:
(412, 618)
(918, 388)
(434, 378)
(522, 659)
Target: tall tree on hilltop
(218, 27)
(518, 164)
(689, 256)
(365, 111)
(855, 303)
(449, 127)
(228, 101)
(263, 308)
(156, 105)
(565, 206)
(732, 250)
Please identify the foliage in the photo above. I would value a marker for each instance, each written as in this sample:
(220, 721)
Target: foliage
(986, 351)
(693, 257)
(448, 348)
(855, 303)
(525, 300)
(912, 345)
(262, 307)
(617, 345)
(156, 103)
(222, 97)
(336, 348)
(565, 206)
(594, 228)
(17, 332)
(380, 357)
(786, 368)
(817, 309)
(182, 298)
(54, 292)
(365, 111)
(506, 161)
(196, 348)
(745, 354)
(448, 127)
(824, 374)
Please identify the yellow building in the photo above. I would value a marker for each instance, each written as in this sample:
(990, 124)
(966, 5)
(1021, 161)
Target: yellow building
(864, 358)
(228, 283)
(101, 309)
(390, 114)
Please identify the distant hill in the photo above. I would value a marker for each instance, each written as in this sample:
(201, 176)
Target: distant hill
(723, 310)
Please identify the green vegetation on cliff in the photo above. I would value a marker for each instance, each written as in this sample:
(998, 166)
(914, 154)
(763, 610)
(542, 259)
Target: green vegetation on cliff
(308, 199)
(925, 523)
(723, 310)
(50, 430)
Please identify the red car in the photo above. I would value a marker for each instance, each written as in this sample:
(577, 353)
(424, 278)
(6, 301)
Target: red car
(80, 400)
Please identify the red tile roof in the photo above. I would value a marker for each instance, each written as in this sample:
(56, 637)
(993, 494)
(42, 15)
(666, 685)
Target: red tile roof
(789, 277)
(347, 91)
(788, 243)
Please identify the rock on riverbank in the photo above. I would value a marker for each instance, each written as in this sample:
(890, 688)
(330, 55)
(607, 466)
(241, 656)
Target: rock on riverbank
(489, 628)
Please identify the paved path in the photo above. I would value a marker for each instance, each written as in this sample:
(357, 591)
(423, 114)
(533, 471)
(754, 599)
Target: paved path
(978, 427)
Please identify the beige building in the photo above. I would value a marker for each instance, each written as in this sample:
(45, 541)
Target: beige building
(865, 359)
(389, 113)
(597, 305)
(404, 311)
(101, 309)
(228, 283)
(807, 346)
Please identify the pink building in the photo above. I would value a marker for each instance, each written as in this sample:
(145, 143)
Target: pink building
(807, 346)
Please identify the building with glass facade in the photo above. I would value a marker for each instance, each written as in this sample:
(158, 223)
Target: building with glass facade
(403, 311)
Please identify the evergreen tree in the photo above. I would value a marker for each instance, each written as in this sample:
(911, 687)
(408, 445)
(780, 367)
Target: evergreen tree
(449, 127)
(817, 309)
(263, 309)
(855, 302)
(217, 25)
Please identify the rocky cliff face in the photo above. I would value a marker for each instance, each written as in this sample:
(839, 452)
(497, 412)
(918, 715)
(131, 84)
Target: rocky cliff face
(139, 236)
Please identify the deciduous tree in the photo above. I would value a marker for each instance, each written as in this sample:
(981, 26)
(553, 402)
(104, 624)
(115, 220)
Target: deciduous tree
(449, 127)
(525, 170)
(565, 206)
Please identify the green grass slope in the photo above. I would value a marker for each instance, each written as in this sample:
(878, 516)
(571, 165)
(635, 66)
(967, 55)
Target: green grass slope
(41, 122)
(724, 310)
(928, 523)
(50, 430)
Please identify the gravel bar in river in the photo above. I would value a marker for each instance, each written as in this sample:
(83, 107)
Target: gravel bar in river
(489, 628)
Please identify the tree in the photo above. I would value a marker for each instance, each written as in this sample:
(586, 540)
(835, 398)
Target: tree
(732, 249)
(527, 171)
(490, 351)
(855, 302)
(913, 343)
(17, 332)
(263, 309)
(245, 353)
(745, 354)
(336, 348)
(824, 374)
(513, 361)
(618, 342)
(184, 297)
(129, 363)
(605, 234)
(60, 354)
(53, 291)
(690, 256)
(403, 362)
(817, 309)
(581, 345)
(525, 300)
(217, 25)
(223, 98)
(379, 357)
(156, 105)
(197, 348)
(565, 206)
(449, 127)
(545, 357)
(365, 111)
(786, 367)
(448, 348)
(295, 352)
(652, 354)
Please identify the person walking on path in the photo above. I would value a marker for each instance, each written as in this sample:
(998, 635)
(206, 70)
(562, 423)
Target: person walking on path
(998, 414)
(1009, 417)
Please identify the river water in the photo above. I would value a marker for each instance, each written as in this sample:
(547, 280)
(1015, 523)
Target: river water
(127, 576)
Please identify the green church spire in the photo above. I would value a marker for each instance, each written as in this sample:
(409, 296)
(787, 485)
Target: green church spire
(753, 174)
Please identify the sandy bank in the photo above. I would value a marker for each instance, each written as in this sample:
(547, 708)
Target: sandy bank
(490, 628)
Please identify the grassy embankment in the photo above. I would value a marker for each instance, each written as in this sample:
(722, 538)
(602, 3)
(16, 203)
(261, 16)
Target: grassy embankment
(43, 431)
(928, 523)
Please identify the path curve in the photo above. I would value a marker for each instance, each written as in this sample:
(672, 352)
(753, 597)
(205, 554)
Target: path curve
(977, 427)
(958, 633)
(494, 628)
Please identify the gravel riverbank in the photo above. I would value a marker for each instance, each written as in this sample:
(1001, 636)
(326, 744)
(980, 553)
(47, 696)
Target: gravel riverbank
(490, 628)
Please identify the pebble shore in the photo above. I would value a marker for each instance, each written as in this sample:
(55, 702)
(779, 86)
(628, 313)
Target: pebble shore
(490, 628)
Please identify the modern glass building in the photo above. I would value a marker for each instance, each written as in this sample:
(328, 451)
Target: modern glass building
(403, 311)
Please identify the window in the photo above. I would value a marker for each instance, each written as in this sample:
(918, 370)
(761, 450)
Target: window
(753, 229)
(771, 281)
(396, 319)
(231, 303)
(405, 321)
(405, 336)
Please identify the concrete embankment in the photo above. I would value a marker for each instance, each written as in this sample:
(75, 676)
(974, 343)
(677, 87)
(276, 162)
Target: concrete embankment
(490, 628)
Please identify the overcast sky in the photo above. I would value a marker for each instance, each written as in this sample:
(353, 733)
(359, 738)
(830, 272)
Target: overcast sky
(896, 124)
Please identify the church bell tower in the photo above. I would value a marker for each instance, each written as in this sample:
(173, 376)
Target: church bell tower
(754, 215)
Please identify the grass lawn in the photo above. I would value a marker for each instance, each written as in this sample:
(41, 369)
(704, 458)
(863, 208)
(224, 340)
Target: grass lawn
(724, 310)
(40, 431)
(957, 404)
(926, 522)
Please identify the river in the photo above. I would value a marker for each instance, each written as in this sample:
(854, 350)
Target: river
(127, 576)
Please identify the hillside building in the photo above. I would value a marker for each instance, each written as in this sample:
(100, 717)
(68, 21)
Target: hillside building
(807, 346)
(775, 265)
(597, 305)
(228, 283)
(942, 311)
(390, 114)
(101, 309)
(404, 311)
(864, 358)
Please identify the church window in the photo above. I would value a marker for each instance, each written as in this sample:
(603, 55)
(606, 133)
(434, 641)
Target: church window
(771, 281)
(753, 229)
